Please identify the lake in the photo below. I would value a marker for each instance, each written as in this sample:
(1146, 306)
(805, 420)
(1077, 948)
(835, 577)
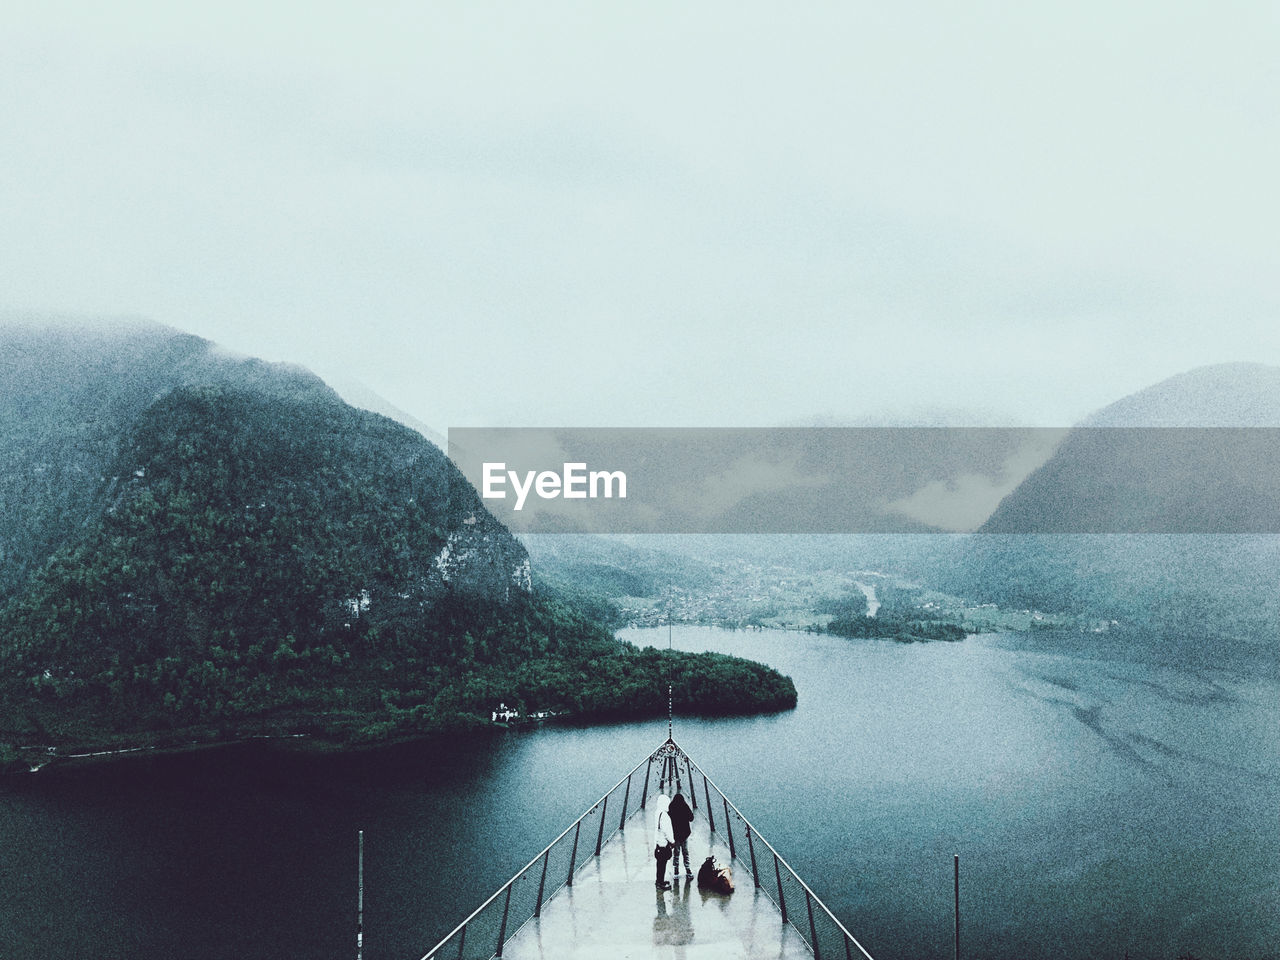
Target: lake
(1101, 804)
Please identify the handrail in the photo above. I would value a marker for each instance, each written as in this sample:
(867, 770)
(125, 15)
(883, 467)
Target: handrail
(541, 853)
(668, 751)
(759, 836)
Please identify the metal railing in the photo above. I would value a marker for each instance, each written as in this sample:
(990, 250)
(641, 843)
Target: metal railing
(773, 876)
(485, 933)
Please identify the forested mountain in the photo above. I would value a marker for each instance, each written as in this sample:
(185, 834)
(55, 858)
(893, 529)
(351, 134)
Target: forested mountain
(196, 543)
(69, 394)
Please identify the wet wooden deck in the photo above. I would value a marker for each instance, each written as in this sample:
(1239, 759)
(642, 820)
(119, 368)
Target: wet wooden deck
(614, 911)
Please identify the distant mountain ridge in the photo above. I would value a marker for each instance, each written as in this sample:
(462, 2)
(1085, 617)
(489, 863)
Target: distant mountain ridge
(1218, 395)
(1139, 515)
(1176, 457)
(359, 395)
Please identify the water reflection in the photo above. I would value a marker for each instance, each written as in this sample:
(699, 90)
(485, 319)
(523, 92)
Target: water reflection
(672, 925)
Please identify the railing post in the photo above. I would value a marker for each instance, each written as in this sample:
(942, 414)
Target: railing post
(625, 797)
(813, 931)
(752, 847)
(693, 793)
(782, 900)
(644, 795)
(728, 825)
(462, 941)
(711, 817)
(502, 929)
(604, 812)
(542, 883)
(573, 857)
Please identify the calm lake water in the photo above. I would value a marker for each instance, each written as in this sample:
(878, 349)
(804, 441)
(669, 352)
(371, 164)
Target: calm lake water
(1100, 805)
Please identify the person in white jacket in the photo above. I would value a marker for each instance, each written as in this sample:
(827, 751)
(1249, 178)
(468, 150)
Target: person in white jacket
(664, 839)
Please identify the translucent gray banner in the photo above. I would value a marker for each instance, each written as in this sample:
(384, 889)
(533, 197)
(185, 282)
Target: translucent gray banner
(872, 480)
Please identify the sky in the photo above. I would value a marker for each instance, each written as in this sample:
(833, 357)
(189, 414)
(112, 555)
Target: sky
(660, 214)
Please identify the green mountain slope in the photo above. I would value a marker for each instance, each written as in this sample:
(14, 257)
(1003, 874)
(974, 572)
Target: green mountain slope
(251, 555)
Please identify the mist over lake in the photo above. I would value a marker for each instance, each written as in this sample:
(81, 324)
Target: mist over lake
(1099, 805)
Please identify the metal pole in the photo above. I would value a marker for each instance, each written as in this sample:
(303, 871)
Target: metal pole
(711, 817)
(360, 895)
(542, 884)
(573, 857)
(957, 864)
(782, 901)
(728, 825)
(462, 941)
(693, 794)
(506, 908)
(604, 811)
(813, 931)
(669, 728)
(752, 847)
(625, 797)
(644, 795)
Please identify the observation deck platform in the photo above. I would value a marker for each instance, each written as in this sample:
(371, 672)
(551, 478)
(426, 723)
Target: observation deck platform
(614, 910)
(591, 893)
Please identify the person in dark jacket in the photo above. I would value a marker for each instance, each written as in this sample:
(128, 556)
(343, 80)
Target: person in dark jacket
(681, 824)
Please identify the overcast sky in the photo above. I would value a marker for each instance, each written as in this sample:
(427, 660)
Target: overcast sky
(661, 214)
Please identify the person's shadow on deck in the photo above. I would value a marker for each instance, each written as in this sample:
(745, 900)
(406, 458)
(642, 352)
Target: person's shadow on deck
(672, 925)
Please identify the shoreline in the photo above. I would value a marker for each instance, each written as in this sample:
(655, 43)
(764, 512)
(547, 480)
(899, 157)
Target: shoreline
(32, 759)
